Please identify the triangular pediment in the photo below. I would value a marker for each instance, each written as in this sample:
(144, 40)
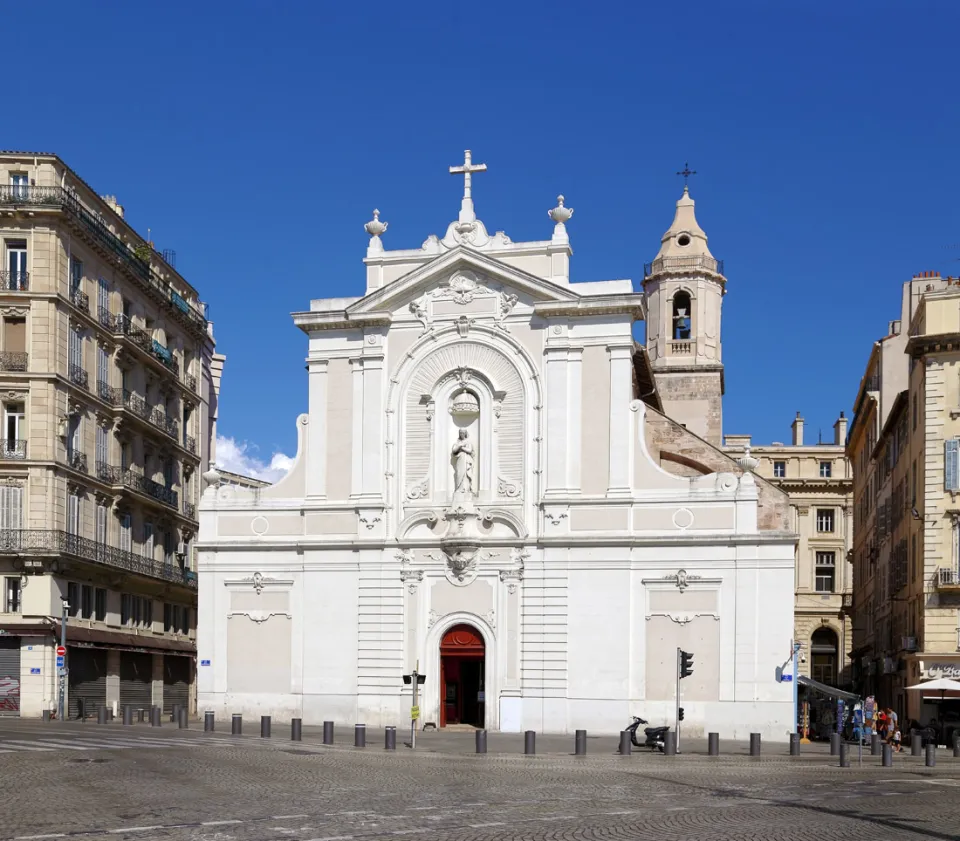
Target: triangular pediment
(454, 275)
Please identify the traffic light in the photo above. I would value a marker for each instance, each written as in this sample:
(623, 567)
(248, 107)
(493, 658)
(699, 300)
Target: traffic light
(681, 714)
(686, 664)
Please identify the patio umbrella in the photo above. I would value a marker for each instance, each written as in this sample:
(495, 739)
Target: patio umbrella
(941, 685)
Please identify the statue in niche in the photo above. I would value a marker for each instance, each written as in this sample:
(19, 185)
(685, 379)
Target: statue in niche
(463, 465)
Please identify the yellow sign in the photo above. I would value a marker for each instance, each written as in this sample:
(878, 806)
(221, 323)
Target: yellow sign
(414, 713)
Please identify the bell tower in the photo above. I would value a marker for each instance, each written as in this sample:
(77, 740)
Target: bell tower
(684, 288)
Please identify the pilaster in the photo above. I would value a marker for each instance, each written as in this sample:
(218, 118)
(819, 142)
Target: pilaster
(557, 426)
(621, 393)
(317, 431)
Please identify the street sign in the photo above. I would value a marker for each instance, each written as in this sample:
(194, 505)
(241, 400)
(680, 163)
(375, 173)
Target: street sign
(204, 662)
(35, 670)
(414, 713)
(61, 651)
(786, 678)
(59, 662)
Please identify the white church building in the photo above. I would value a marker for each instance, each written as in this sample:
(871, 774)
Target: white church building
(496, 483)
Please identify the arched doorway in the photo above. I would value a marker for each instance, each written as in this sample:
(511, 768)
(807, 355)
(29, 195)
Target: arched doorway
(823, 656)
(462, 660)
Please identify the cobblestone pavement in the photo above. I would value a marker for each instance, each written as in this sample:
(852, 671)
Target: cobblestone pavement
(191, 786)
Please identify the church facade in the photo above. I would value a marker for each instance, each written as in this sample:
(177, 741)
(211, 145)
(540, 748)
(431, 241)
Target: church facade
(496, 485)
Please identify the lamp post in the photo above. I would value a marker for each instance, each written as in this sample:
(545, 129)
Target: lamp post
(62, 672)
(796, 688)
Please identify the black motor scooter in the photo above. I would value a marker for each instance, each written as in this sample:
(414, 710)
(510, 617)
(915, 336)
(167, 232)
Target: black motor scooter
(655, 736)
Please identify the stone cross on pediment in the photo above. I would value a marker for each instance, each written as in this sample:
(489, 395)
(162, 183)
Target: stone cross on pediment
(467, 215)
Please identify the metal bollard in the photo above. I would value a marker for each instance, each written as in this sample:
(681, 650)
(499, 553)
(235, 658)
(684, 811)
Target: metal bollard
(529, 742)
(109, 713)
(209, 721)
(184, 721)
(296, 730)
(264, 727)
(328, 732)
(175, 713)
(754, 744)
(931, 758)
(140, 716)
(101, 715)
(887, 756)
(834, 744)
(236, 725)
(481, 741)
(916, 744)
(625, 749)
(844, 759)
(956, 747)
(670, 743)
(360, 735)
(390, 738)
(794, 744)
(46, 715)
(875, 744)
(713, 744)
(580, 743)
(155, 714)
(127, 714)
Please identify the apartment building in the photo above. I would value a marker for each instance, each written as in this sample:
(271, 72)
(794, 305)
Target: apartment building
(108, 382)
(818, 479)
(904, 446)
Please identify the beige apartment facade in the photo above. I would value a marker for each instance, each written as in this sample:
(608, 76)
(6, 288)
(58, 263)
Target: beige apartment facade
(819, 482)
(108, 405)
(904, 445)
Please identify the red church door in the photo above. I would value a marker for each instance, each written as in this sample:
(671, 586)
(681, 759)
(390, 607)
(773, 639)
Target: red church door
(462, 659)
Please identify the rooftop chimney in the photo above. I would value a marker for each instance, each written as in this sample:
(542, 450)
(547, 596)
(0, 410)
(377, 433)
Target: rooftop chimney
(840, 430)
(111, 201)
(797, 427)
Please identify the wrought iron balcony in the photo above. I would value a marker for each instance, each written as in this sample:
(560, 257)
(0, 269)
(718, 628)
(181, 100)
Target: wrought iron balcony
(13, 360)
(135, 404)
(55, 542)
(190, 511)
(696, 262)
(14, 281)
(77, 460)
(947, 579)
(13, 449)
(158, 417)
(872, 383)
(190, 444)
(191, 382)
(78, 376)
(125, 327)
(107, 318)
(136, 261)
(136, 481)
(80, 300)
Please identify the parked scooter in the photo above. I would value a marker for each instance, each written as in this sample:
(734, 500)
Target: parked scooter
(654, 736)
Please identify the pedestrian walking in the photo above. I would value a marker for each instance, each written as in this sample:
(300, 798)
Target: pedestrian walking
(896, 741)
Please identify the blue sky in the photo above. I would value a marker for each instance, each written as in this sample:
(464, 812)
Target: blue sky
(255, 139)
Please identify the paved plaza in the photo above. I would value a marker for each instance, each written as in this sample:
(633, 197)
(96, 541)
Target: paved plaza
(91, 781)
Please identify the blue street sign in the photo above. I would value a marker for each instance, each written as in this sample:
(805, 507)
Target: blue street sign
(34, 671)
(59, 662)
(786, 678)
(204, 662)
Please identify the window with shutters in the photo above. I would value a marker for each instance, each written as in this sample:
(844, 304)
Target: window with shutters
(73, 598)
(103, 369)
(11, 602)
(74, 438)
(101, 537)
(100, 605)
(147, 543)
(86, 602)
(73, 512)
(167, 617)
(951, 464)
(11, 507)
(15, 338)
(17, 264)
(76, 274)
(126, 533)
(126, 608)
(103, 443)
(185, 621)
(147, 613)
(103, 295)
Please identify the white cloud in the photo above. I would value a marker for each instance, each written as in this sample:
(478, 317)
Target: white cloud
(240, 457)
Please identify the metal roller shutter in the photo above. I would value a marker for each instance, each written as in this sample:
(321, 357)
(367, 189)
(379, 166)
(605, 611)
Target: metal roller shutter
(176, 681)
(136, 680)
(10, 676)
(88, 680)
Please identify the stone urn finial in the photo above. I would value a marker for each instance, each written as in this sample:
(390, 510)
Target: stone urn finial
(375, 227)
(747, 461)
(560, 214)
(212, 477)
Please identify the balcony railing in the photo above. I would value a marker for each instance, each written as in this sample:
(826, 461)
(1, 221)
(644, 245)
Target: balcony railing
(134, 403)
(125, 327)
(78, 376)
(20, 195)
(190, 511)
(190, 444)
(872, 383)
(107, 318)
(679, 348)
(80, 300)
(14, 281)
(77, 460)
(158, 417)
(13, 360)
(696, 262)
(11, 449)
(52, 541)
(191, 382)
(137, 482)
(947, 578)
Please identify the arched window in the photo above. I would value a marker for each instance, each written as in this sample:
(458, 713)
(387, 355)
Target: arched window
(823, 656)
(681, 316)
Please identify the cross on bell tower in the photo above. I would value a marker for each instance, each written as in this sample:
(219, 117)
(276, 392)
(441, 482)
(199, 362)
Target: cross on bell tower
(467, 214)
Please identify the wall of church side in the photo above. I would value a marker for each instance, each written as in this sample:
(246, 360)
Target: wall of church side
(594, 429)
(339, 430)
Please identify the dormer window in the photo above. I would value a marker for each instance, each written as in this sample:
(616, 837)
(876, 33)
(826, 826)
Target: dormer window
(681, 316)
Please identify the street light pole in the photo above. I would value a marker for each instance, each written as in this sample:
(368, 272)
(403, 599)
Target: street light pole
(62, 673)
(796, 692)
